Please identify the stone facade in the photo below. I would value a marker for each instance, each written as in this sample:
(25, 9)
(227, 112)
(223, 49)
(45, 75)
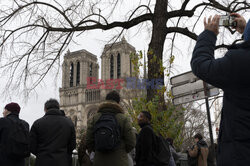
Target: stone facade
(76, 98)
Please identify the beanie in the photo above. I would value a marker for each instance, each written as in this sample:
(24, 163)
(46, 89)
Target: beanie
(246, 35)
(13, 107)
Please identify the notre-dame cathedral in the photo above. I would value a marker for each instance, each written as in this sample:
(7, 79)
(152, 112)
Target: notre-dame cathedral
(81, 92)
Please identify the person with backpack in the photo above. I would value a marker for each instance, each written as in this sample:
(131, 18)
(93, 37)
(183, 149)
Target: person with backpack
(151, 149)
(110, 134)
(14, 137)
(199, 151)
(145, 141)
(53, 137)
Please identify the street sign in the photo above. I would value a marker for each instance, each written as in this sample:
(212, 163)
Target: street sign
(187, 87)
(183, 78)
(195, 96)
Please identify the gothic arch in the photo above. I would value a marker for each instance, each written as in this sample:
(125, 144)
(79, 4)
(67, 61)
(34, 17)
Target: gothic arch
(91, 71)
(73, 116)
(71, 77)
(78, 73)
(71, 112)
(91, 110)
(111, 66)
(118, 65)
(74, 120)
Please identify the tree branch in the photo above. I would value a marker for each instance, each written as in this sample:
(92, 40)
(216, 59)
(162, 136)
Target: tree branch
(125, 25)
(6, 19)
(183, 31)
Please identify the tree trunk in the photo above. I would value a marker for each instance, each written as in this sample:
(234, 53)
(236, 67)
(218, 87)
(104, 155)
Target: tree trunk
(156, 46)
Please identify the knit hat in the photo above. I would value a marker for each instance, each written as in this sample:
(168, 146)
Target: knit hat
(13, 107)
(246, 34)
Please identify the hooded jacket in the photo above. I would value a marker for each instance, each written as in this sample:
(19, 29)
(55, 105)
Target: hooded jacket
(231, 73)
(119, 156)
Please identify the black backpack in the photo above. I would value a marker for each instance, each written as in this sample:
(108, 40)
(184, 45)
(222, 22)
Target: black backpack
(17, 145)
(161, 151)
(107, 133)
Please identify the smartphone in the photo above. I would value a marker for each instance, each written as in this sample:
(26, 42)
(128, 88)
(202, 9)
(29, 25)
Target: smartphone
(227, 21)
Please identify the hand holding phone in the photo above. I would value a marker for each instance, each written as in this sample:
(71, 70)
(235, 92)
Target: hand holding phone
(241, 22)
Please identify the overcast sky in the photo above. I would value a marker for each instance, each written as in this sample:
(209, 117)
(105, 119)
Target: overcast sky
(94, 41)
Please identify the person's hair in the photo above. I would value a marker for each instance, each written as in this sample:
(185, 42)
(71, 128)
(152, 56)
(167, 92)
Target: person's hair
(147, 115)
(198, 135)
(170, 140)
(51, 103)
(113, 95)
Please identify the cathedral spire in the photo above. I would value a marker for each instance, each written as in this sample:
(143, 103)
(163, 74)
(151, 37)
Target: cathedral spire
(123, 39)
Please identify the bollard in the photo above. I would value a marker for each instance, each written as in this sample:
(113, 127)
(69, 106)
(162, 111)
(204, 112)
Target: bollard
(75, 154)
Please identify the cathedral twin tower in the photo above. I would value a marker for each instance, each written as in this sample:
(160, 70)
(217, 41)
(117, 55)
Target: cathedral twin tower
(80, 68)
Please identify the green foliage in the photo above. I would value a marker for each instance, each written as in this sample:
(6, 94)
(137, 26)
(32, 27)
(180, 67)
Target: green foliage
(167, 122)
(135, 59)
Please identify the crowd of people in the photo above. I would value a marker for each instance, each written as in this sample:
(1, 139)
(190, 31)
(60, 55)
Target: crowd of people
(111, 140)
(51, 138)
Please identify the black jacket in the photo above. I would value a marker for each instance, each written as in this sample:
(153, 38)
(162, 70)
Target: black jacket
(144, 146)
(231, 73)
(53, 139)
(5, 127)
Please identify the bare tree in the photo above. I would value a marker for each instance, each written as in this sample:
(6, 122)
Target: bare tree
(195, 120)
(34, 33)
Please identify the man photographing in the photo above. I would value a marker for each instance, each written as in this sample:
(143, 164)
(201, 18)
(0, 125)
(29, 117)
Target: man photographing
(231, 73)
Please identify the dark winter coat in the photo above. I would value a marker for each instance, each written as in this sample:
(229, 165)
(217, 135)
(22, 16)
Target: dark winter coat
(211, 159)
(119, 157)
(5, 127)
(231, 73)
(53, 139)
(144, 146)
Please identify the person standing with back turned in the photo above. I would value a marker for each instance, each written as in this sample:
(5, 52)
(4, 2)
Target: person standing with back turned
(53, 137)
(110, 134)
(12, 132)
